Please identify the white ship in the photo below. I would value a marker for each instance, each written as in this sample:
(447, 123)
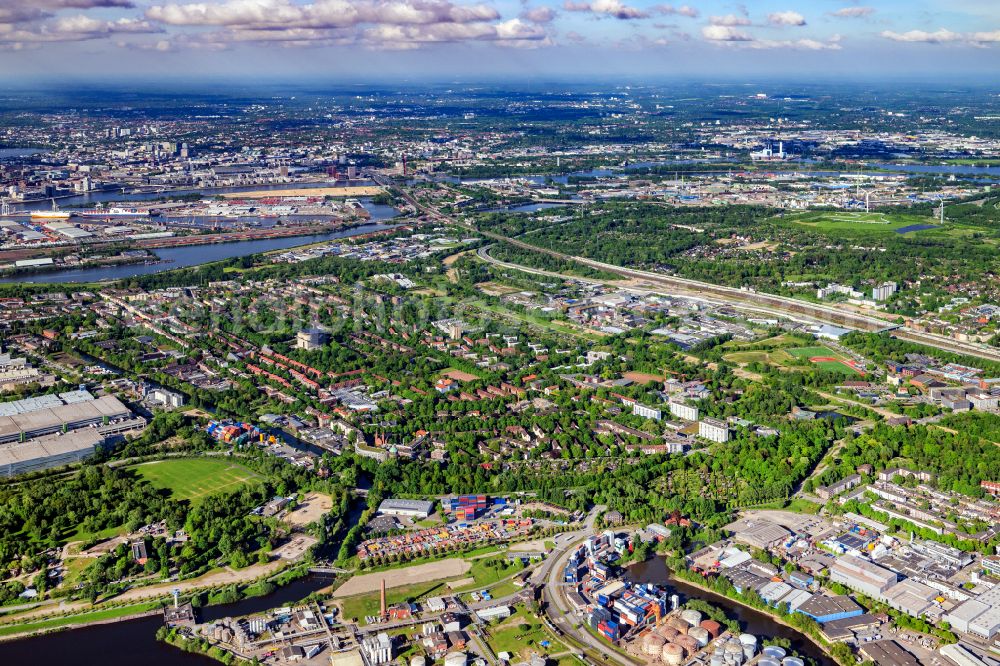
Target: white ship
(54, 214)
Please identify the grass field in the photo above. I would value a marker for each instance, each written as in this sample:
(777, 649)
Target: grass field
(809, 352)
(194, 479)
(855, 223)
(510, 637)
(368, 604)
(83, 618)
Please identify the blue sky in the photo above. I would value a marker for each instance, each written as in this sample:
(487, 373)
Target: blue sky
(499, 38)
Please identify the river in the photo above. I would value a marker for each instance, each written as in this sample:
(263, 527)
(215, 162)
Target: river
(105, 196)
(193, 255)
(134, 641)
(751, 621)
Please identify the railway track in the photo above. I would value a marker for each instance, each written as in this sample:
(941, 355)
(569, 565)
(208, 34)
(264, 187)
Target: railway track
(757, 301)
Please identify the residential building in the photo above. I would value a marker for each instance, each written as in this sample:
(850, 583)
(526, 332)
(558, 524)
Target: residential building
(646, 412)
(682, 410)
(714, 430)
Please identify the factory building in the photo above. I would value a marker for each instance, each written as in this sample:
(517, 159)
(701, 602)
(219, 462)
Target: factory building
(403, 507)
(863, 576)
(63, 418)
(46, 452)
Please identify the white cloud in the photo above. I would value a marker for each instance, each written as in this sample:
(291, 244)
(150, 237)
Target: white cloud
(283, 14)
(77, 29)
(853, 12)
(614, 8)
(671, 10)
(538, 14)
(729, 20)
(724, 33)
(382, 24)
(944, 36)
(786, 18)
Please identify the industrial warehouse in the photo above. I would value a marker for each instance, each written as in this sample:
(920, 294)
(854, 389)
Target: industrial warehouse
(54, 430)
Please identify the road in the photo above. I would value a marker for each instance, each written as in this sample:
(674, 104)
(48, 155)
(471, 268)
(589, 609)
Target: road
(557, 607)
(771, 304)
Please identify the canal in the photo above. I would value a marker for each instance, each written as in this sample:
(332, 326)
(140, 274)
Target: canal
(134, 642)
(194, 255)
(759, 624)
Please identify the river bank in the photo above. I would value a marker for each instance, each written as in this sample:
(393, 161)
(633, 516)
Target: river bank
(131, 638)
(753, 620)
(193, 255)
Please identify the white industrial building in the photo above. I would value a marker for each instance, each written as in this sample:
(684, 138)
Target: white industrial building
(962, 615)
(63, 417)
(493, 613)
(50, 451)
(404, 507)
(863, 576)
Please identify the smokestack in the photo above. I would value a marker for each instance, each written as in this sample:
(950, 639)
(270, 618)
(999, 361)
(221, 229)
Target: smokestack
(383, 612)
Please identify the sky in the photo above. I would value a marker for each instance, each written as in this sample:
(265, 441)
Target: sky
(441, 39)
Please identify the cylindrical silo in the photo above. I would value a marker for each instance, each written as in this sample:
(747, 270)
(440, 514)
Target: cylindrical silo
(652, 644)
(672, 654)
(692, 617)
(700, 635)
(774, 651)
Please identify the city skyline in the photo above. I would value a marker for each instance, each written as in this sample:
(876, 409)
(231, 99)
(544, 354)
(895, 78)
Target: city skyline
(426, 39)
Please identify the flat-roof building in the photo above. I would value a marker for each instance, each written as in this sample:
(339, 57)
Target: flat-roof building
(861, 575)
(714, 430)
(961, 616)
(406, 507)
(888, 653)
(61, 418)
(823, 608)
(50, 451)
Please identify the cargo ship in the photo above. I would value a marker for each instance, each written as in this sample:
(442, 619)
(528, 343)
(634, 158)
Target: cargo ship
(115, 212)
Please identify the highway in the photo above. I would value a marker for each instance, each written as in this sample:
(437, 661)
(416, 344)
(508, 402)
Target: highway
(764, 303)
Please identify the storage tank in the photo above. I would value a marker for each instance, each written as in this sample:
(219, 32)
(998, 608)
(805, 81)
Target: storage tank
(774, 651)
(672, 654)
(712, 627)
(700, 635)
(767, 661)
(652, 644)
(792, 661)
(418, 660)
(689, 644)
(692, 617)
(749, 643)
(675, 602)
(680, 625)
(668, 632)
(734, 652)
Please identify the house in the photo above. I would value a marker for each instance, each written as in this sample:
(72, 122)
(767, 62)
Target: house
(139, 551)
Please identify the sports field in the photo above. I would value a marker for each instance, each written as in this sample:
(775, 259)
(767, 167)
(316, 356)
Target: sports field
(826, 358)
(194, 479)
